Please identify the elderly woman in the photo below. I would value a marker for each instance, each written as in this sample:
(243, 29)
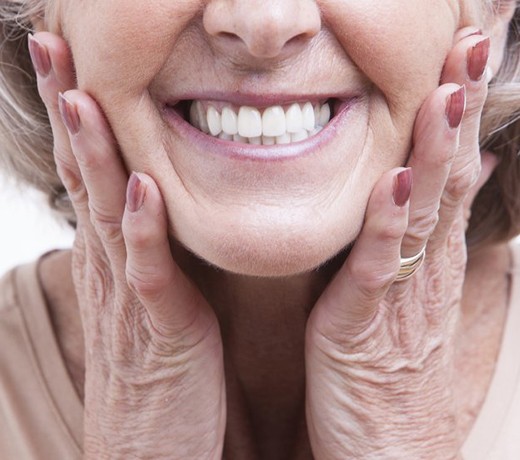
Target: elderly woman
(254, 275)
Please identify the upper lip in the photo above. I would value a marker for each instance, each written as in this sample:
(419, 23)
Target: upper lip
(258, 100)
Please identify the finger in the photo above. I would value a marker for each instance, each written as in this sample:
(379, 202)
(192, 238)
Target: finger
(465, 32)
(172, 302)
(466, 64)
(351, 300)
(101, 168)
(436, 137)
(55, 73)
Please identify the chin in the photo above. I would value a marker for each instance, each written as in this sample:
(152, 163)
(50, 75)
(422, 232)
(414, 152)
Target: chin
(271, 251)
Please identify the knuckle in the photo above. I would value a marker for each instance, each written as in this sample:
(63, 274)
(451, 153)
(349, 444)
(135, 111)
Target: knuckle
(393, 230)
(69, 178)
(63, 155)
(422, 224)
(476, 98)
(99, 281)
(139, 236)
(49, 95)
(461, 180)
(372, 279)
(107, 226)
(148, 283)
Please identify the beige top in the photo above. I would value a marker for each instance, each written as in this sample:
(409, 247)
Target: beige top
(41, 415)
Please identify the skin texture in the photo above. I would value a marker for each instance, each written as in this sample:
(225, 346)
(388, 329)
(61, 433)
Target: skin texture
(362, 49)
(344, 345)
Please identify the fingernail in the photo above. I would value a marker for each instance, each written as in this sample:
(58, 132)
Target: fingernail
(403, 187)
(135, 193)
(40, 57)
(69, 114)
(455, 107)
(477, 59)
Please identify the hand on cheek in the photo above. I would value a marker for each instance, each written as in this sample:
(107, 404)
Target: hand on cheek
(149, 334)
(379, 352)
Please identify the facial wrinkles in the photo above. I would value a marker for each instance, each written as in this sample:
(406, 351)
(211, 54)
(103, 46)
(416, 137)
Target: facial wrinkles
(125, 49)
(398, 44)
(130, 38)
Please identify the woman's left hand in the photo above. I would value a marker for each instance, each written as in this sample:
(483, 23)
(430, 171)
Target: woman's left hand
(379, 353)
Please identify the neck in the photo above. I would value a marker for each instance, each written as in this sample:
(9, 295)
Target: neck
(263, 324)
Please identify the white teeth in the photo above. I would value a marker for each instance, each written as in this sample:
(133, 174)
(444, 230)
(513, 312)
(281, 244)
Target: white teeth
(324, 115)
(250, 126)
(198, 117)
(317, 111)
(214, 123)
(249, 122)
(274, 121)
(283, 139)
(309, 121)
(294, 119)
(316, 130)
(299, 136)
(239, 138)
(229, 121)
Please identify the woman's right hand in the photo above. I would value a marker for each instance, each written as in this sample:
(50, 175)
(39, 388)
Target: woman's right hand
(154, 383)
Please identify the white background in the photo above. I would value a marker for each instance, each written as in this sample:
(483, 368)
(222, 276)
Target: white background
(27, 227)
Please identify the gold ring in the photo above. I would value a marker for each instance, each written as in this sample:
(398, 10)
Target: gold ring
(409, 265)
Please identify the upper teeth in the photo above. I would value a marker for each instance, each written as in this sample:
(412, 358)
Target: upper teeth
(275, 125)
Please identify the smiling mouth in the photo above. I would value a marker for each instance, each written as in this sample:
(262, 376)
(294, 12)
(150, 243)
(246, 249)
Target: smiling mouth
(273, 125)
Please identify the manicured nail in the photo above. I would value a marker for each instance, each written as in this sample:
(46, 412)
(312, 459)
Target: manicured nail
(477, 59)
(135, 193)
(69, 114)
(40, 57)
(455, 107)
(403, 187)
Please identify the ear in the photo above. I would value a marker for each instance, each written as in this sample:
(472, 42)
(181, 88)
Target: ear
(497, 27)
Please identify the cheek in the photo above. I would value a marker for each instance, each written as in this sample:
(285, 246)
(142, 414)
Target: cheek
(400, 45)
(128, 42)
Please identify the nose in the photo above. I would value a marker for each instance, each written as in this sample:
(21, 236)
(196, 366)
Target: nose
(263, 28)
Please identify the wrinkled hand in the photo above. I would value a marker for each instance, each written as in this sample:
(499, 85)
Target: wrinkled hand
(379, 353)
(154, 368)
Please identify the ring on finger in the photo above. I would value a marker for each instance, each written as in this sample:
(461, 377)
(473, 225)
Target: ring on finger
(410, 265)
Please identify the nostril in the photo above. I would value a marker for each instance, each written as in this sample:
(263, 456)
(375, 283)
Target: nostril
(229, 36)
(303, 37)
(265, 27)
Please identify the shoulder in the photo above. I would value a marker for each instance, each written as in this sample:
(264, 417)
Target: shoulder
(16, 284)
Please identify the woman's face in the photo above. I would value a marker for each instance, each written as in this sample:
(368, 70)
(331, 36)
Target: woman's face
(270, 209)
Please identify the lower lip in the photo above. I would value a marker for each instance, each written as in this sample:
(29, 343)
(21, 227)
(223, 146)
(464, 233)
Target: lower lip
(239, 150)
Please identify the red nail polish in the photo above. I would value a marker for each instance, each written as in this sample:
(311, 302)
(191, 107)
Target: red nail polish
(69, 114)
(403, 187)
(455, 107)
(477, 59)
(40, 57)
(135, 193)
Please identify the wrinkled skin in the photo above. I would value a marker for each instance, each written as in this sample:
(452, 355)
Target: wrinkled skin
(155, 383)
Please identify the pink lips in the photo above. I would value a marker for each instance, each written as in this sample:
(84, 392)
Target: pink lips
(238, 151)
